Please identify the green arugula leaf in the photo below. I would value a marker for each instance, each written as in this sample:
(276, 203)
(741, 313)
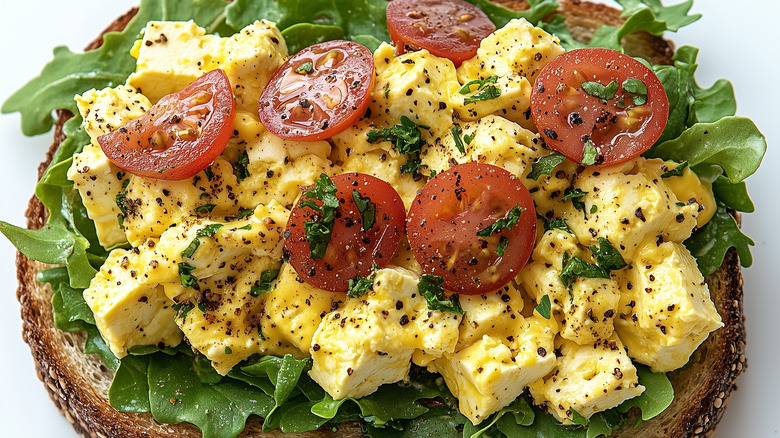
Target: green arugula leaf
(607, 257)
(577, 418)
(430, 287)
(507, 221)
(733, 196)
(545, 165)
(576, 267)
(710, 243)
(220, 410)
(544, 307)
(366, 208)
(71, 73)
(658, 394)
(129, 391)
(673, 17)
(265, 284)
(733, 143)
(500, 15)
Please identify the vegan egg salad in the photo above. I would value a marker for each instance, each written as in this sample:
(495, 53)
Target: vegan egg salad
(298, 239)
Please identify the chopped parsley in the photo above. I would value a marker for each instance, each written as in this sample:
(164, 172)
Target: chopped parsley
(358, 286)
(545, 165)
(677, 171)
(575, 195)
(557, 224)
(507, 221)
(245, 212)
(207, 208)
(503, 242)
(406, 138)
(186, 277)
(207, 231)
(265, 283)
(414, 165)
(461, 142)
(430, 287)
(182, 309)
(319, 229)
(366, 208)
(544, 307)
(228, 350)
(599, 90)
(245, 227)
(240, 167)
(589, 154)
(637, 87)
(607, 256)
(486, 90)
(305, 69)
(576, 267)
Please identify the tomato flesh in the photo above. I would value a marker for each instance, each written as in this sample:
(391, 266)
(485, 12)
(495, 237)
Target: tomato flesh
(452, 208)
(450, 29)
(318, 92)
(180, 135)
(352, 250)
(617, 126)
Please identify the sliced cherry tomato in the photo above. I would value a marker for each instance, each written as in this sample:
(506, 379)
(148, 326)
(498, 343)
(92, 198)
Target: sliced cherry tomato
(180, 135)
(598, 106)
(361, 235)
(455, 227)
(449, 29)
(318, 92)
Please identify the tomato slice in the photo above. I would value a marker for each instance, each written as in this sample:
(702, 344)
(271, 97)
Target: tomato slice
(598, 106)
(448, 220)
(359, 239)
(449, 29)
(318, 92)
(180, 135)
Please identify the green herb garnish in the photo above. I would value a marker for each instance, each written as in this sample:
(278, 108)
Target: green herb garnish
(207, 231)
(305, 69)
(507, 221)
(430, 287)
(503, 242)
(607, 256)
(677, 171)
(319, 230)
(265, 284)
(598, 90)
(366, 208)
(576, 267)
(240, 167)
(545, 165)
(589, 154)
(486, 90)
(461, 143)
(358, 286)
(186, 277)
(557, 224)
(544, 307)
(635, 86)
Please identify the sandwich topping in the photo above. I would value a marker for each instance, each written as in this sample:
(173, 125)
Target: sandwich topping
(474, 212)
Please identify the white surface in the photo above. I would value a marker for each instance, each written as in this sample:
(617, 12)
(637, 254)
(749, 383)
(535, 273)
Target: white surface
(738, 42)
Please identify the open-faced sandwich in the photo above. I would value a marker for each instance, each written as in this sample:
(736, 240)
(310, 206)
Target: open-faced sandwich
(415, 218)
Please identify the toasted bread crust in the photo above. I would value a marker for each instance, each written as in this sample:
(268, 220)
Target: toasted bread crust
(78, 383)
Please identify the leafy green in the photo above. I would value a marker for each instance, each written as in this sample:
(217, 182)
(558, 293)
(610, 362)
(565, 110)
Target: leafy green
(733, 196)
(733, 143)
(358, 286)
(406, 136)
(500, 15)
(509, 220)
(637, 87)
(557, 224)
(430, 287)
(207, 231)
(129, 391)
(519, 411)
(607, 256)
(219, 410)
(319, 230)
(71, 73)
(677, 171)
(599, 90)
(241, 166)
(460, 142)
(544, 307)
(265, 284)
(710, 243)
(503, 243)
(284, 373)
(576, 267)
(486, 90)
(589, 154)
(366, 208)
(575, 195)
(185, 276)
(302, 35)
(545, 165)
(658, 394)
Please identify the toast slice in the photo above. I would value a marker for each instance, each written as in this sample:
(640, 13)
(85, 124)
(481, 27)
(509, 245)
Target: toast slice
(78, 383)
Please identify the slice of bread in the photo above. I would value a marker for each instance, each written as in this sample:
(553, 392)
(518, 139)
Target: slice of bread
(78, 383)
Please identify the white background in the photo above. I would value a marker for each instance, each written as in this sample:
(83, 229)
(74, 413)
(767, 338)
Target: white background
(738, 41)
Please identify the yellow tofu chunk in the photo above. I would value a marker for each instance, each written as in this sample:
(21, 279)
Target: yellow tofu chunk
(129, 313)
(665, 309)
(371, 339)
(171, 55)
(587, 379)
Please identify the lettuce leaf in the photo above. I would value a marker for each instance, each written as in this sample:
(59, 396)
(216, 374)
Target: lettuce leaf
(500, 15)
(710, 244)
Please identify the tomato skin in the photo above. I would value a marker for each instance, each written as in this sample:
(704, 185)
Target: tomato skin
(315, 103)
(452, 208)
(450, 29)
(567, 116)
(351, 251)
(180, 135)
